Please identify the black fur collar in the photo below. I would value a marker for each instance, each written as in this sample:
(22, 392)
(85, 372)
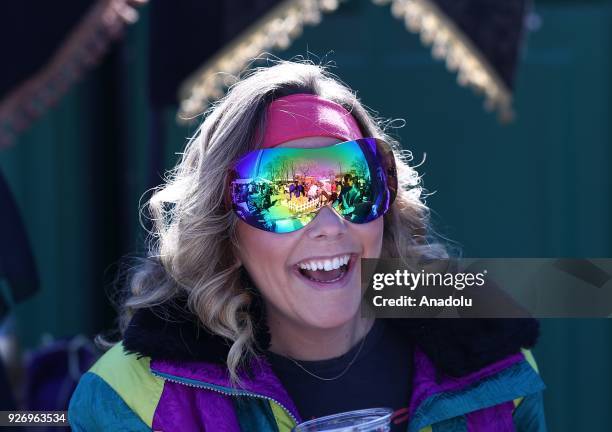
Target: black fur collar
(456, 346)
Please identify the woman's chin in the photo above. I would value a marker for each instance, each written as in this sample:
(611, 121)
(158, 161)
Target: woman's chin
(331, 317)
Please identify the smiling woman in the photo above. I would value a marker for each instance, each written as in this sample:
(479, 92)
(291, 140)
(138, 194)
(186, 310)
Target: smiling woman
(248, 303)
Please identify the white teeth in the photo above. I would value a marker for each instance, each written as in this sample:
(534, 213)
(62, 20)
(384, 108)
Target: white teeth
(327, 264)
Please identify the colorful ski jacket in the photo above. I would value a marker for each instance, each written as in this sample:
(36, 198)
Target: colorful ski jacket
(169, 376)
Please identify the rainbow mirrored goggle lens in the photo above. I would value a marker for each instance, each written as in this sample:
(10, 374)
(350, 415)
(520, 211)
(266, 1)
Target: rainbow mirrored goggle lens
(281, 189)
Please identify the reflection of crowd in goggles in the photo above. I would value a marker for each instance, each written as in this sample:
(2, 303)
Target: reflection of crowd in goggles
(348, 192)
(281, 190)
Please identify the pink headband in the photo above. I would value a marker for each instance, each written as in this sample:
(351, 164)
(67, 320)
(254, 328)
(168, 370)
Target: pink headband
(305, 115)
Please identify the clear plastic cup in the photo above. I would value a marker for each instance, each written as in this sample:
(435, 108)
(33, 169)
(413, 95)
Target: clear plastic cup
(366, 420)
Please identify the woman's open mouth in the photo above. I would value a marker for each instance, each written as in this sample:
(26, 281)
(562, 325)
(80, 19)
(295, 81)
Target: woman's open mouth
(326, 272)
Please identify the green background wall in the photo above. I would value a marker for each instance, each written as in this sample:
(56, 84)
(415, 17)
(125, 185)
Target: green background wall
(539, 187)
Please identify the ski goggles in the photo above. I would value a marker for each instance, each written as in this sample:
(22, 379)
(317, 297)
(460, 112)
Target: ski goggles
(282, 189)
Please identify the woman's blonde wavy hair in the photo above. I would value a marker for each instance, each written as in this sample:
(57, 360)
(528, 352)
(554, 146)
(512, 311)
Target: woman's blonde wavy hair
(193, 236)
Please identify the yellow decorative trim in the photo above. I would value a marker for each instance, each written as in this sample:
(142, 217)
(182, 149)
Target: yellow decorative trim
(531, 360)
(130, 377)
(276, 30)
(448, 42)
(283, 421)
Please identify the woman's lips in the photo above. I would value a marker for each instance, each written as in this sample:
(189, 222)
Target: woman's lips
(335, 283)
(327, 276)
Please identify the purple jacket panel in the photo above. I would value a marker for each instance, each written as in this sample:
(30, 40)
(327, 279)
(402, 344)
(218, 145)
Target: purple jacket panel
(184, 410)
(264, 383)
(499, 415)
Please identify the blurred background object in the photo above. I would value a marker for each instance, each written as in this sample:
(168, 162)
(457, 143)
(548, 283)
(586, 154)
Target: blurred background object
(58, 53)
(477, 39)
(539, 186)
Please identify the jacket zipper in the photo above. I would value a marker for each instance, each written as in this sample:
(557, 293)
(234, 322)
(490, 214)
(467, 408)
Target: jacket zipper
(215, 388)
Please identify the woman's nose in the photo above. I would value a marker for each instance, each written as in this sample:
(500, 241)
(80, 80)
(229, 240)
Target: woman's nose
(327, 224)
